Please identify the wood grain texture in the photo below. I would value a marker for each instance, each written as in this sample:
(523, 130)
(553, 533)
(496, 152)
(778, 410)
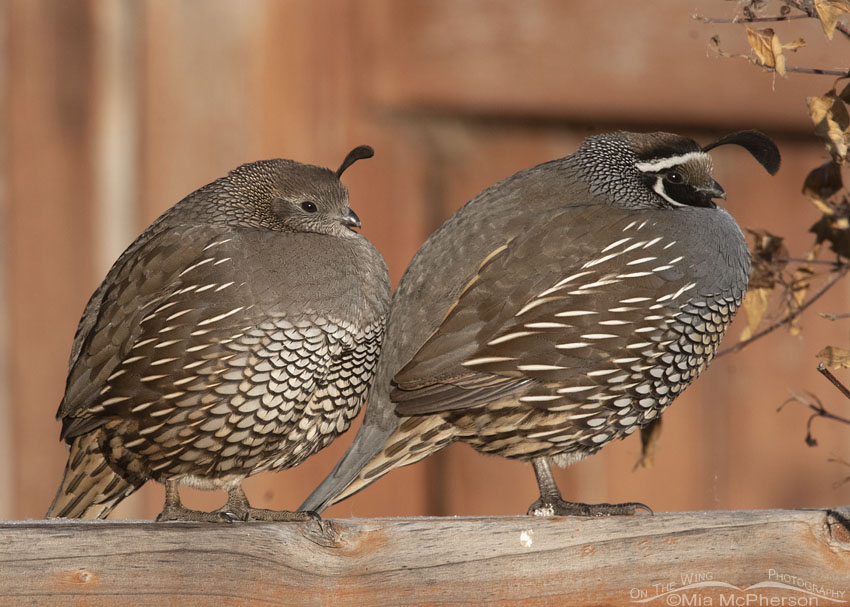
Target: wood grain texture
(427, 561)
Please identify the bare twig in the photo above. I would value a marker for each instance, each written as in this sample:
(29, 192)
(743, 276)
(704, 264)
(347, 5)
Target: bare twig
(806, 8)
(750, 19)
(813, 403)
(815, 262)
(833, 380)
(833, 317)
(818, 71)
(839, 274)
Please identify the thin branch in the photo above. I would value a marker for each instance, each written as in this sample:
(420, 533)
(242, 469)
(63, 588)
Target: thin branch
(834, 381)
(749, 19)
(833, 317)
(832, 416)
(818, 71)
(816, 262)
(815, 405)
(839, 274)
(807, 8)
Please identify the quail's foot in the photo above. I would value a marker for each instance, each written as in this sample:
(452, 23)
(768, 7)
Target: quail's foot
(559, 507)
(239, 508)
(232, 512)
(179, 512)
(174, 510)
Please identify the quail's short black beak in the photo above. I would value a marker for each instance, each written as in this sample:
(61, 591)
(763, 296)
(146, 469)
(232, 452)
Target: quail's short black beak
(714, 191)
(352, 220)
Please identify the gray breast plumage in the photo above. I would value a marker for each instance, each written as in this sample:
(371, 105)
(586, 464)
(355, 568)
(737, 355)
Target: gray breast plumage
(238, 379)
(605, 348)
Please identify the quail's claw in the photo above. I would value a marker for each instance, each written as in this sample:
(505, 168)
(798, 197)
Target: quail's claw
(228, 517)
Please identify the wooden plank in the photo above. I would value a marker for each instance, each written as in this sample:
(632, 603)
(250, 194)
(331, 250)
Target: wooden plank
(434, 561)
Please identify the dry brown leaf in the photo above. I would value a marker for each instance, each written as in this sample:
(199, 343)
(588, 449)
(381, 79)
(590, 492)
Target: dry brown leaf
(794, 45)
(833, 229)
(714, 44)
(832, 124)
(769, 256)
(823, 182)
(765, 45)
(822, 206)
(842, 5)
(828, 13)
(769, 50)
(834, 357)
(755, 305)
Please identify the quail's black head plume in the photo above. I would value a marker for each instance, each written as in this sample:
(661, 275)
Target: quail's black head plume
(756, 143)
(566, 306)
(361, 152)
(237, 334)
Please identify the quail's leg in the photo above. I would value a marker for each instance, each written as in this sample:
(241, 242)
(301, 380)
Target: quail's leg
(238, 507)
(174, 509)
(552, 504)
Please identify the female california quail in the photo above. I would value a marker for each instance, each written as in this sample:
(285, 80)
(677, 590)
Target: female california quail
(567, 306)
(237, 334)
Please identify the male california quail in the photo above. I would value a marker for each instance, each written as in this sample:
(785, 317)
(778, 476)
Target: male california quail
(561, 308)
(237, 334)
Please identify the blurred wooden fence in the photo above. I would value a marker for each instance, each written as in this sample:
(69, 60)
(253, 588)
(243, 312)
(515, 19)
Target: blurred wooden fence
(115, 109)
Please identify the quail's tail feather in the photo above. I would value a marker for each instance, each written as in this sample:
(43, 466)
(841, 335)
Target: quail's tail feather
(375, 452)
(90, 488)
(367, 444)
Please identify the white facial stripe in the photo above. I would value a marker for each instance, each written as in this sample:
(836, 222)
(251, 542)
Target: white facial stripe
(658, 188)
(667, 163)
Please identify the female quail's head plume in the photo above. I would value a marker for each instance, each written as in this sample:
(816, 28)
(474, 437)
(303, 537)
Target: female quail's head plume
(567, 306)
(238, 333)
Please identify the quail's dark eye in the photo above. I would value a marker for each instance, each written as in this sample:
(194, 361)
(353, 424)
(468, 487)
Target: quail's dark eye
(674, 177)
(308, 206)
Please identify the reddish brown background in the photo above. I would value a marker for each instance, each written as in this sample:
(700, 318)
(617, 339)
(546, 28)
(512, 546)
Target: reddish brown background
(114, 110)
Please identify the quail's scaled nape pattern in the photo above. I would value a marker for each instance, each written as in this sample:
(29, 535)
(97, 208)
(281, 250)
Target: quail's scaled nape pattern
(238, 333)
(568, 306)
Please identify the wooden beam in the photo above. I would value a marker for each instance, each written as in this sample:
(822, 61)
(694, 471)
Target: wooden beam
(435, 561)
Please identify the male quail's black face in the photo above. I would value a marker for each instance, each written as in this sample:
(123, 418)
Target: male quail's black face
(654, 170)
(676, 170)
